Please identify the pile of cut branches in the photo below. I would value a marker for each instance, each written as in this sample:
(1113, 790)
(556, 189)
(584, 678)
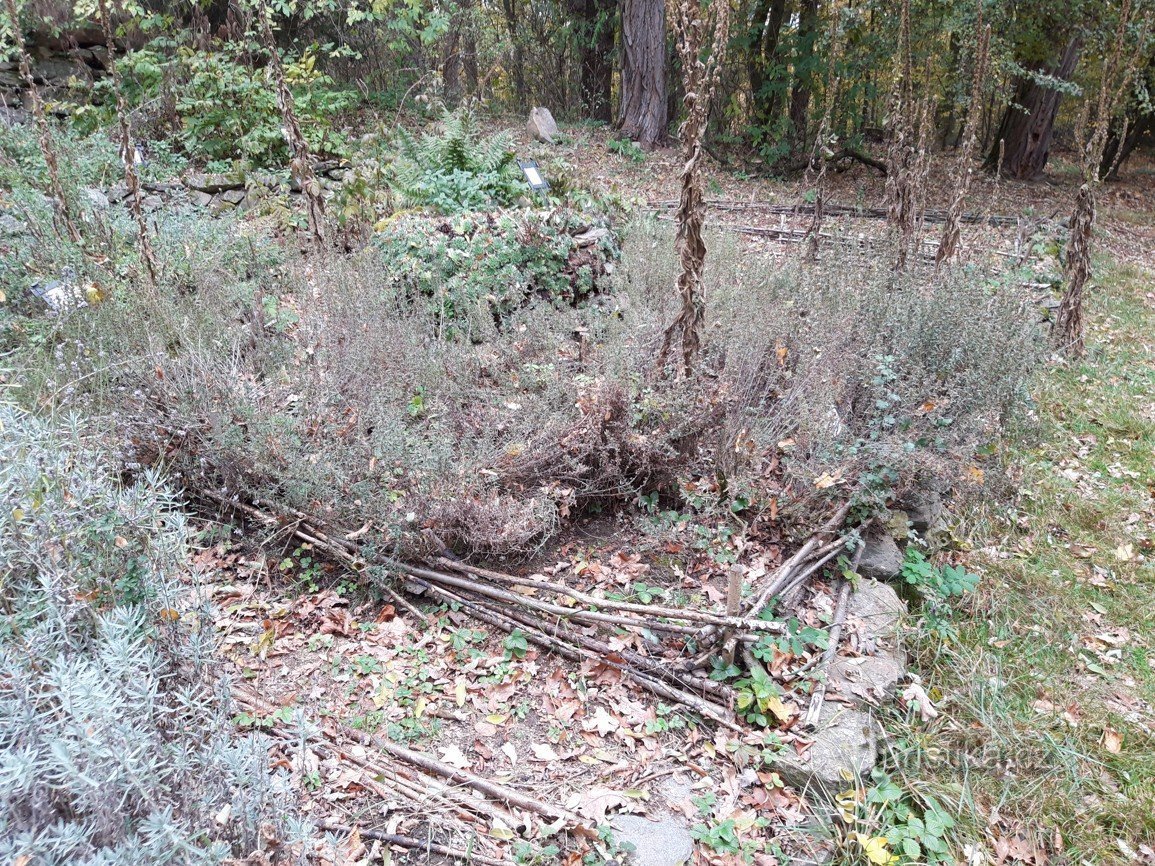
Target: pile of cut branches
(579, 626)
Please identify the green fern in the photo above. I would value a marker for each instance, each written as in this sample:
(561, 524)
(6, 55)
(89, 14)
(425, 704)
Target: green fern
(456, 169)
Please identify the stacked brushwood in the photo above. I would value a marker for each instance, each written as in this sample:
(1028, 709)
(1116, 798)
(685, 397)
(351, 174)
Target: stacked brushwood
(566, 621)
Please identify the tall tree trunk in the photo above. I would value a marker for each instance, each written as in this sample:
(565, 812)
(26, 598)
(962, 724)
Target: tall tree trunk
(803, 73)
(1024, 135)
(594, 32)
(762, 58)
(451, 66)
(517, 53)
(1117, 150)
(1069, 320)
(643, 116)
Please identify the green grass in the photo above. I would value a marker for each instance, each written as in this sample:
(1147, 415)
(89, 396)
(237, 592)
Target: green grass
(1054, 650)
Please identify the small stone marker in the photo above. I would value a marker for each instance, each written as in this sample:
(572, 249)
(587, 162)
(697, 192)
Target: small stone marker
(542, 126)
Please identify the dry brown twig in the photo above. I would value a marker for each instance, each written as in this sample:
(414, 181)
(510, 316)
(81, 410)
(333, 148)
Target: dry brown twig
(951, 233)
(127, 147)
(45, 139)
(1118, 72)
(693, 21)
(301, 165)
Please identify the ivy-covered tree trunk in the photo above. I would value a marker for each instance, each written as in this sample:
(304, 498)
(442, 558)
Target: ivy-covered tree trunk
(643, 115)
(1023, 141)
(594, 31)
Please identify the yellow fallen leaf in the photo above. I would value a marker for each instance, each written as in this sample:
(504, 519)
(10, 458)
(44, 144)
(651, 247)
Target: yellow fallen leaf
(1125, 552)
(1112, 741)
(974, 474)
(17, 514)
(496, 719)
(875, 848)
(778, 708)
(826, 480)
(499, 831)
(459, 692)
(419, 708)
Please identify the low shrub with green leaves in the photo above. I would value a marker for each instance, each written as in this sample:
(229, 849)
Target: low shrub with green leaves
(220, 107)
(116, 745)
(476, 268)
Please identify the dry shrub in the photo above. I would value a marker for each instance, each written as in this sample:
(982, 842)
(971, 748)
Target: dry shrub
(328, 388)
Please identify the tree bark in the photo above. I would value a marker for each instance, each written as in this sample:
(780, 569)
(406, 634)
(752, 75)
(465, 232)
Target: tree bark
(803, 73)
(761, 59)
(1069, 321)
(517, 53)
(595, 36)
(1024, 134)
(643, 115)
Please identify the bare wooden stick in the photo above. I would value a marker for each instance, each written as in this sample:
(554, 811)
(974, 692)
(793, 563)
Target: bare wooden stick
(245, 695)
(415, 844)
(508, 621)
(652, 667)
(733, 622)
(932, 216)
(819, 696)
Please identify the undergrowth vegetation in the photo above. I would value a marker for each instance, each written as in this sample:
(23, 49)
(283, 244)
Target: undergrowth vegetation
(1044, 684)
(471, 387)
(115, 742)
(219, 108)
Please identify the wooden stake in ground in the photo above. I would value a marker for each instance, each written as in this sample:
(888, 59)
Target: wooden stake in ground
(951, 233)
(1118, 71)
(301, 167)
(693, 21)
(127, 148)
(44, 131)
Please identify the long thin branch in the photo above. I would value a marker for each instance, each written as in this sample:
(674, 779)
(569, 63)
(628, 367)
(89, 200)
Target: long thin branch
(415, 844)
(819, 696)
(246, 696)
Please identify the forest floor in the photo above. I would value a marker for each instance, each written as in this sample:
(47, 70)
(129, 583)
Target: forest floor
(1043, 744)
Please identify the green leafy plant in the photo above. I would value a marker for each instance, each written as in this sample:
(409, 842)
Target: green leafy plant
(516, 644)
(796, 640)
(890, 826)
(626, 148)
(457, 168)
(721, 837)
(944, 582)
(474, 270)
